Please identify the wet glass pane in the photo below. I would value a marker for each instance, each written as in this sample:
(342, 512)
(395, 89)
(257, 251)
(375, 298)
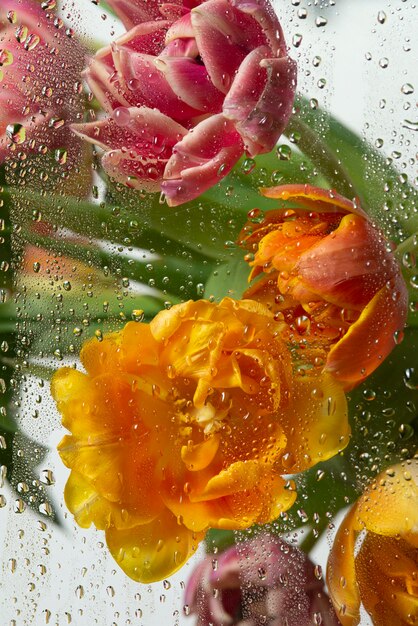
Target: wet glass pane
(208, 317)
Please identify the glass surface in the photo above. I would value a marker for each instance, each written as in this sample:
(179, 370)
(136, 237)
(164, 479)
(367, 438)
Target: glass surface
(82, 255)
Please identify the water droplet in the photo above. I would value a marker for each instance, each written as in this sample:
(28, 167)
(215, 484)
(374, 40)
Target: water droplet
(138, 315)
(297, 40)
(411, 378)
(16, 132)
(321, 21)
(407, 89)
(122, 116)
(381, 17)
(6, 58)
(384, 62)
(61, 156)
(284, 152)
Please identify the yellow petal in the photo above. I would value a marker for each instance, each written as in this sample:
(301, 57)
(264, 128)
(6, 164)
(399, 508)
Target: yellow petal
(341, 573)
(390, 505)
(101, 357)
(153, 551)
(316, 421)
(89, 507)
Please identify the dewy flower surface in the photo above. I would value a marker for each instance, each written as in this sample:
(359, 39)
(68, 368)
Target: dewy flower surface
(261, 581)
(40, 65)
(188, 423)
(383, 573)
(327, 272)
(188, 89)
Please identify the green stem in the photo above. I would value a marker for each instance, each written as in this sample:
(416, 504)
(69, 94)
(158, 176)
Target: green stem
(409, 245)
(319, 152)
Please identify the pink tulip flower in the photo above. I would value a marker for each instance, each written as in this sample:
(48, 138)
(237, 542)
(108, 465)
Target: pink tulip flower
(260, 581)
(40, 63)
(188, 90)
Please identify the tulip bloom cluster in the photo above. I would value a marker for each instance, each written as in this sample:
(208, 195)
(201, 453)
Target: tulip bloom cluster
(188, 89)
(188, 423)
(40, 65)
(383, 573)
(261, 581)
(327, 273)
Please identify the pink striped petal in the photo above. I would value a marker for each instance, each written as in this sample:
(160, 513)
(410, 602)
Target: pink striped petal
(190, 81)
(139, 130)
(147, 38)
(143, 173)
(181, 29)
(147, 86)
(201, 159)
(260, 100)
(263, 12)
(133, 12)
(218, 26)
(105, 84)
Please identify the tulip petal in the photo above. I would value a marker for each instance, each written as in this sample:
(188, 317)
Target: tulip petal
(318, 419)
(201, 159)
(341, 573)
(89, 507)
(190, 81)
(348, 266)
(218, 25)
(391, 505)
(149, 86)
(147, 38)
(370, 339)
(261, 98)
(133, 12)
(314, 198)
(105, 86)
(154, 551)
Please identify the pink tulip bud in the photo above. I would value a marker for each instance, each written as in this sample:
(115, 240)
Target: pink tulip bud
(40, 63)
(260, 581)
(188, 90)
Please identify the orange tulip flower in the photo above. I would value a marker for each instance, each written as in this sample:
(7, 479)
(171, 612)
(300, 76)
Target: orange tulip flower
(383, 573)
(188, 423)
(328, 273)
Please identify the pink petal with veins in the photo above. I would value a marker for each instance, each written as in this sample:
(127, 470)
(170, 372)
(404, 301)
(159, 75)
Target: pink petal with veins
(147, 38)
(190, 81)
(143, 130)
(147, 86)
(260, 100)
(133, 12)
(201, 159)
(220, 27)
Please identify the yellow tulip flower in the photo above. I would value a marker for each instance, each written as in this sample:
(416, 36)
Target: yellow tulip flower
(188, 423)
(374, 559)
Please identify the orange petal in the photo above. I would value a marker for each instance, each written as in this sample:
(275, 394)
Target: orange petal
(341, 573)
(313, 198)
(348, 266)
(102, 357)
(201, 455)
(153, 551)
(371, 338)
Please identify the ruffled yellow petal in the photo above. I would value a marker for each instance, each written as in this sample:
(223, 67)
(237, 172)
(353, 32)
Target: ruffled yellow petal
(317, 420)
(153, 551)
(101, 357)
(89, 507)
